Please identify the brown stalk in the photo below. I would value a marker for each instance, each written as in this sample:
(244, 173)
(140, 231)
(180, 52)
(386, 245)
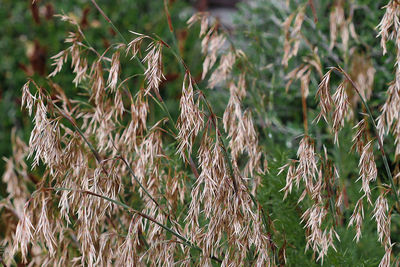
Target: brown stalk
(171, 28)
(304, 106)
(311, 4)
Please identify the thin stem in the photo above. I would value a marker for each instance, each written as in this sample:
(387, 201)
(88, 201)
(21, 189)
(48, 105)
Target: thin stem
(137, 180)
(115, 29)
(108, 20)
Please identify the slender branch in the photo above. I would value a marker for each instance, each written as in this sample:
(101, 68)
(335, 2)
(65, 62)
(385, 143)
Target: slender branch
(115, 29)
(108, 20)
(137, 180)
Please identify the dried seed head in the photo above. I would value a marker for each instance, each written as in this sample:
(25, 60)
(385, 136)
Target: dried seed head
(291, 176)
(44, 141)
(190, 120)
(44, 227)
(389, 117)
(97, 81)
(368, 170)
(307, 166)
(360, 136)
(28, 99)
(242, 134)
(23, 234)
(362, 73)
(339, 24)
(78, 64)
(294, 36)
(59, 60)
(357, 218)
(340, 99)
(324, 96)
(223, 71)
(318, 239)
(211, 44)
(153, 73)
(203, 18)
(389, 26)
(135, 44)
(385, 262)
(114, 71)
(388, 30)
(382, 219)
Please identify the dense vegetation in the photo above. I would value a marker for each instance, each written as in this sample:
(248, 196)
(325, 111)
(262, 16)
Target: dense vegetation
(159, 136)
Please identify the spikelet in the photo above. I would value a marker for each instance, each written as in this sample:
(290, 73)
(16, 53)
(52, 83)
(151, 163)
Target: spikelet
(78, 64)
(362, 73)
(203, 18)
(307, 166)
(357, 218)
(241, 131)
(388, 21)
(97, 82)
(382, 219)
(59, 60)
(340, 25)
(324, 96)
(44, 141)
(153, 73)
(211, 44)
(28, 99)
(135, 44)
(385, 262)
(114, 71)
(190, 120)
(341, 102)
(223, 70)
(319, 240)
(44, 226)
(290, 177)
(24, 233)
(292, 38)
(368, 170)
(367, 166)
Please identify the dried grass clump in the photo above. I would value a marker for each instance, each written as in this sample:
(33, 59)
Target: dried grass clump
(119, 187)
(101, 151)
